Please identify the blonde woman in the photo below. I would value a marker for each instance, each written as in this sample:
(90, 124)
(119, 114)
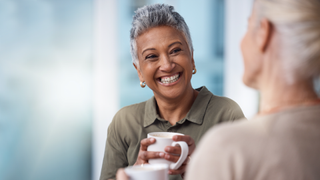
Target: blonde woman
(281, 52)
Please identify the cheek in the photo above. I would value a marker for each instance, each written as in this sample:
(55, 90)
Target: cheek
(188, 66)
(244, 47)
(248, 61)
(148, 71)
(249, 54)
(251, 73)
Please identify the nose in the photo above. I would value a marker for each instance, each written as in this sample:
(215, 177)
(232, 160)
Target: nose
(166, 64)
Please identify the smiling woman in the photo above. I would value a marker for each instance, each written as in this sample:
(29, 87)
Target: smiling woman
(162, 54)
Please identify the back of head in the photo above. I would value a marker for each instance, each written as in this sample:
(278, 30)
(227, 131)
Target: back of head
(298, 22)
(152, 16)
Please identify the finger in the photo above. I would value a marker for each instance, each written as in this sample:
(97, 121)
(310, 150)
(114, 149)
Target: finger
(171, 157)
(188, 140)
(146, 155)
(146, 142)
(181, 170)
(121, 175)
(173, 149)
(184, 138)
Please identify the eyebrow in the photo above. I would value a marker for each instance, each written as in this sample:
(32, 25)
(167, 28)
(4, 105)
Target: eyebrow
(147, 50)
(177, 42)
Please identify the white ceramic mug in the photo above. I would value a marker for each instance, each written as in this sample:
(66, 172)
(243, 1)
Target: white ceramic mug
(164, 139)
(148, 172)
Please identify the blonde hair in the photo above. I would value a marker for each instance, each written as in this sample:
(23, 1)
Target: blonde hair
(298, 22)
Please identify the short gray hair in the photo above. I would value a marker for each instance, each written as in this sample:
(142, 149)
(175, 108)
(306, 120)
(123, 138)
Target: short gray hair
(298, 22)
(152, 16)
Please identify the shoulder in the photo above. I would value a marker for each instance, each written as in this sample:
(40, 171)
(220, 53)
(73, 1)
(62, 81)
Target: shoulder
(234, 133)
(128, 115)
(131, 110)
(220, 101)
(236, 138)
(261, 129)
(225, 107)
(228, 149)
(224, 103)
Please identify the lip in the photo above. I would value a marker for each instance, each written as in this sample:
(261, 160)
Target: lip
(171, 84)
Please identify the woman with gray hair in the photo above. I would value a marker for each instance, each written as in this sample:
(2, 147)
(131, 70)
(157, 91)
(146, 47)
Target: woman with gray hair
(281, 52)
(162, 54)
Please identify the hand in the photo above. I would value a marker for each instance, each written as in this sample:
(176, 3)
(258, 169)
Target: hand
(173, 151)
(145, 155)
(121, 175)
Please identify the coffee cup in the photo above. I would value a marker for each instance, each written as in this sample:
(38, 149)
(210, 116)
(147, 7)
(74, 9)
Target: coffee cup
(148, 172)
(164, 139)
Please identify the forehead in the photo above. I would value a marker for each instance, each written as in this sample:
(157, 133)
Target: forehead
(159, 36)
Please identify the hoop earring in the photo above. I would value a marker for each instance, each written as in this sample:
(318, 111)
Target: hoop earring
(142, 84)
(194, 70)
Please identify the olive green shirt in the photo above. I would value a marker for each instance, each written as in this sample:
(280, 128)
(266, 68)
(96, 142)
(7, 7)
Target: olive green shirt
(131, 124)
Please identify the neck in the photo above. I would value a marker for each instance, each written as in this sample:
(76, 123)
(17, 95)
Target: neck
(278, 96)
(173, 110)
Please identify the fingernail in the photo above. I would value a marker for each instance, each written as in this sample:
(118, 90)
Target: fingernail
(175, 137)
(167, 156)
(161, 155)
(167, 149)
(152, 139)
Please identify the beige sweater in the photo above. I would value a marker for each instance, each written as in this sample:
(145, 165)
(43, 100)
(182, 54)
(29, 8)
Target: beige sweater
(280, 146)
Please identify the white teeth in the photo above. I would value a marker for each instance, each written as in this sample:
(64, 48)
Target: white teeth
(169, 80)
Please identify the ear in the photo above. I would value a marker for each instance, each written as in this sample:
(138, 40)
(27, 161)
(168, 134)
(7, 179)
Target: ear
(139, 72)
(264, 34)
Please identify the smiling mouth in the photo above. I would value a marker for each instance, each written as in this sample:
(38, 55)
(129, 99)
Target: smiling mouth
(169, 80)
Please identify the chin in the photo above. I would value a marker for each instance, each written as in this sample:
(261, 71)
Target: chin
(172, 94)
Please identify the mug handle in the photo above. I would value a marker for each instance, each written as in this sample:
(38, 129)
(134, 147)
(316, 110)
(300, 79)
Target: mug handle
(183, 155)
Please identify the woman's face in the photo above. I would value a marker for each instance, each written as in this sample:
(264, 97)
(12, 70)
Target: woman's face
(250, 53)
(165, 61)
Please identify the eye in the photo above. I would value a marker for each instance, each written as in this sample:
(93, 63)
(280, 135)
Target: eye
(176, 50)
(151, 56)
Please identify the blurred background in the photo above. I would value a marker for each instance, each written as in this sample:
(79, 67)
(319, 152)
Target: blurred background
(65, 69)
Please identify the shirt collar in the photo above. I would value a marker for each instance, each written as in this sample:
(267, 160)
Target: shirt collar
(195, 114)
(150, 114)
